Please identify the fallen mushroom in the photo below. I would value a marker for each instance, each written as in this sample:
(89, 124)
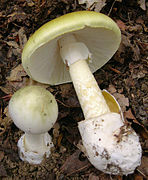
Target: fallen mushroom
(77, 40)
(34, 110)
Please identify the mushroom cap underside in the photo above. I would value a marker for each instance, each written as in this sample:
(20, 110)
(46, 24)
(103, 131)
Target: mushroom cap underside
(41, 55)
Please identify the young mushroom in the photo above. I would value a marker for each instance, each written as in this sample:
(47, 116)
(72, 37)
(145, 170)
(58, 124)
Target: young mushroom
(77, 44)
(34, 110)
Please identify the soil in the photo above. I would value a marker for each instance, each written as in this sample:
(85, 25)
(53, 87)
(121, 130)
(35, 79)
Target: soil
(125, 76)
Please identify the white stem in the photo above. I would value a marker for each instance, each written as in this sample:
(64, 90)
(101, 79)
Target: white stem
(89, 94)
(35, 143)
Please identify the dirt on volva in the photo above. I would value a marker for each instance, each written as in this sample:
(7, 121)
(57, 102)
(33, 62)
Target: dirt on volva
(125, 76)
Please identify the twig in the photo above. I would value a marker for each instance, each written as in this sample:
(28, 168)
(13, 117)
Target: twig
(115, 70)
(141, 173)
(7, 97)
(111, 8)
(62, 103)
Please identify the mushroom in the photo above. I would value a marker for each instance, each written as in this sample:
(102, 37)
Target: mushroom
(77, 44)
(34, 110)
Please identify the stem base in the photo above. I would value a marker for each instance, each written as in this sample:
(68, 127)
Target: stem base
(111, 146)
(31, 156)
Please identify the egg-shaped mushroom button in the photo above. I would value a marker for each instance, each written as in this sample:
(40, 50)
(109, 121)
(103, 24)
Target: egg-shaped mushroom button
(34, 110)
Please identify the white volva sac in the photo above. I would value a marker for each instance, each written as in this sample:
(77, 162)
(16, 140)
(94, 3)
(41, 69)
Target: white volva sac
(112, 147)
(34, 110)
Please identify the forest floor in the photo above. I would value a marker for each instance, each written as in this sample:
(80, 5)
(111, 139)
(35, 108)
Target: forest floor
(125, 76)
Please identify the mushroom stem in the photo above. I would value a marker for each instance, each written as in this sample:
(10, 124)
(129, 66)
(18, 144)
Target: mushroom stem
(89, 94)
(35, 143)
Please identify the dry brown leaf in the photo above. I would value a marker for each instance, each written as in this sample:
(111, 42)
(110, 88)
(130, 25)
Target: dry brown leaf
(1, 155)
(89, 3)
(4, 124)
(129, 115)
(121, 99)
(129, 82)
(30, 3)
(72, 102)
(138, 177)
(22, 38)
(15, 49)
(122, 48)
(138, 75)
(3, 172)
(18, 79)
(112, 89)
(13, 44)
(56, 130)
(63, 114)
(65, 90)
(97, 5)
(60, 137)
(142, 4)
(70, 98)
(93, 177)
(17, 74)
(136, 28)
(19, 16)
(139, 20)
(141, 129)
(6, 112)
(136, 51)
(125, 46)
(121, 25)
(73, 164)
(6, 90)
(144, 166)
(11, 87)
(103, 176)
(137, 126)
